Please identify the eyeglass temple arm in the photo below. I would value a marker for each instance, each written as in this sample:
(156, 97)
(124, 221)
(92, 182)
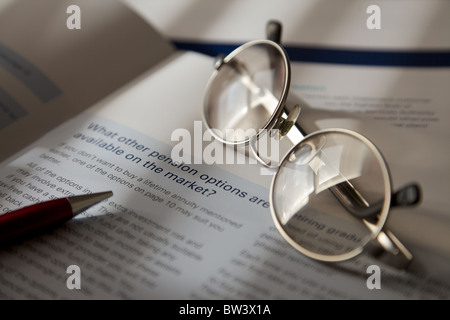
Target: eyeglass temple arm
(388, 248)
(273, 31)
(356, 205)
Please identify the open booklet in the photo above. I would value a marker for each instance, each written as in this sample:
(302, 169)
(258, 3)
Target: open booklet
(50, 73)
(171, 230)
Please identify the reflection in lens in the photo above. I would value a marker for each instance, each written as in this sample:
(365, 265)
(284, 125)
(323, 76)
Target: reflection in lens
(246, 91)
(322, 185)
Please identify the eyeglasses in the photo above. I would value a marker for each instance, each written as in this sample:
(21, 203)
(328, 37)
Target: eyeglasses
(332, 192)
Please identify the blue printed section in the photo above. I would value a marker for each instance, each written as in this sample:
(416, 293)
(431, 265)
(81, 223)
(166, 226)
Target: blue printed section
(10, 110)
(338, 56)
(27, 73)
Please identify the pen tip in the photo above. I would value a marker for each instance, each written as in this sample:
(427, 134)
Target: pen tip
(84, 202)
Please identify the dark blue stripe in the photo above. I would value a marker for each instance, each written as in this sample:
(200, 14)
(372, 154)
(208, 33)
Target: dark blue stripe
(338, 56)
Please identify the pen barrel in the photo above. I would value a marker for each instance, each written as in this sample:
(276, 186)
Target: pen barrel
(27, 221)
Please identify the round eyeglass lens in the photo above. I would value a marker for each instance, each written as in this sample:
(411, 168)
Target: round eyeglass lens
(331, 195)
(246, 92)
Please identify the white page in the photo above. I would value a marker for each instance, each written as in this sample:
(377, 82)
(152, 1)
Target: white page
(414, 97)
(154, 245)
(340, 23)
(49, 73)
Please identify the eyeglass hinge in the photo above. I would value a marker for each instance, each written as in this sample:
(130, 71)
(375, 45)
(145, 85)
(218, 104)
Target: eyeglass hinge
(219, 61)
(284, 125)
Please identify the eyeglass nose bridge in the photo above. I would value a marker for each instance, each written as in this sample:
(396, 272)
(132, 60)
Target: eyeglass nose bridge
(284, 125)
(280, 129)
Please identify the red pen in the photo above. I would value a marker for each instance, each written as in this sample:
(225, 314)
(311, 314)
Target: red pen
(27, 221)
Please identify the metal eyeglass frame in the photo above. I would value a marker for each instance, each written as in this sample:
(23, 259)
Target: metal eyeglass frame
(386, 242)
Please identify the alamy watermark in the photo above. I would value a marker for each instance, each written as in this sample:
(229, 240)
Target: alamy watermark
(374, 280)
(373, 22)
(74, 280)
(201, 147)
(73, 22)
